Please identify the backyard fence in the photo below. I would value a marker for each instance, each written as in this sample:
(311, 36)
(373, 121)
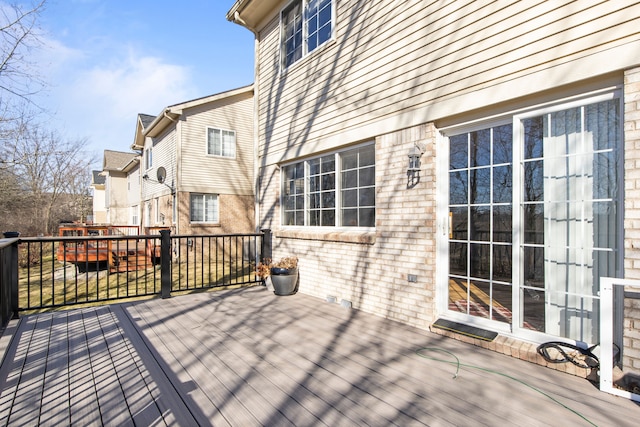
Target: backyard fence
(50, 272)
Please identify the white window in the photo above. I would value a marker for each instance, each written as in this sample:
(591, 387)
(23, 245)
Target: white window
(534, 209)
(334, 190)
(148, 158)
(305, 25)
(134, 215)
(221, 142)
(205, 208)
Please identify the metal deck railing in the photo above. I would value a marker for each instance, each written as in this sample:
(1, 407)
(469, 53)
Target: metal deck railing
(49, 272)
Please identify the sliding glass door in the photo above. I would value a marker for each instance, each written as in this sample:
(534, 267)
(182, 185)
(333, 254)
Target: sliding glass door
(528, 244)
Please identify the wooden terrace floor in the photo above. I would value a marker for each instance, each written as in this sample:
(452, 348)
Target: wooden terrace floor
(248, 358)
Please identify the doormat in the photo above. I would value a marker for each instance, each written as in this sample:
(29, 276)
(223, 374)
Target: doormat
(466, 330)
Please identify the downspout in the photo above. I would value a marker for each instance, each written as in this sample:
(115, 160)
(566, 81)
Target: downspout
(256, 130)
(176, 181)
(177, 152)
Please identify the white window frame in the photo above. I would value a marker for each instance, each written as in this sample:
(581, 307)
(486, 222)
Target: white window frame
(338, 190)
(222, 145)
(134, 214)
(204, 220)
(305, 37)
(148, 158)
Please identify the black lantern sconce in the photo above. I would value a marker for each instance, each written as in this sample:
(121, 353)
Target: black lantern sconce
(413, 171)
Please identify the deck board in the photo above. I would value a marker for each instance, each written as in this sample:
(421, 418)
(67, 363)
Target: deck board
(55, 394)
(83, 403)
(247, 358)
(184, 353)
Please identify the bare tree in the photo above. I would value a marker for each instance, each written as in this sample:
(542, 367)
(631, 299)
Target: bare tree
(51, 173)
(43, 178)
(80, 201)
(18, 37)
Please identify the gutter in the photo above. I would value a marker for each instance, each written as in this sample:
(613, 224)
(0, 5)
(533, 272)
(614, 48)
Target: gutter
(158, 121)
(234, 13)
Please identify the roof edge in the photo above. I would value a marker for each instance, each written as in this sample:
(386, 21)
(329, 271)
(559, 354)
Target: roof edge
(171, 113)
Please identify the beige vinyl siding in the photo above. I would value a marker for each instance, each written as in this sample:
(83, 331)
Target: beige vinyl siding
(205, 173)
(133, 187)
(118, 198)
(392, 57)
(164, 154)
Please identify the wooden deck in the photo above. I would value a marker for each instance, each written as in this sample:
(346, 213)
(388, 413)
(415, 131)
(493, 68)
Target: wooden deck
(248, 358)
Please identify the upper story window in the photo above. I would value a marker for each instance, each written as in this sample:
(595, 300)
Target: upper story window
(148, 158)
(335, 190)
(305, 25)
(221, 142)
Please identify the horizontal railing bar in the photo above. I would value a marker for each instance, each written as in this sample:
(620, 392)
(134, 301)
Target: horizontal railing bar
(84, 238)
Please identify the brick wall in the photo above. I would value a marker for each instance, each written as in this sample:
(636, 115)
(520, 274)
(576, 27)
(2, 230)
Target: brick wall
(370, 270)
(236, 215)
(631, 337)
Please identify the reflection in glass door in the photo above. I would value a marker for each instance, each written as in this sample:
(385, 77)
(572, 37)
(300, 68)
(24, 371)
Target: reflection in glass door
(480, 218)
(569, 203)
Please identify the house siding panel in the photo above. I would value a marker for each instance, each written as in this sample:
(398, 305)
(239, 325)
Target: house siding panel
(118, 199)
(205, 173)
(388, 59)
(163, 154)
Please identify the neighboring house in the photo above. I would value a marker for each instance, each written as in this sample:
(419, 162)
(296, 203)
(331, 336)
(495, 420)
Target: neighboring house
(459, 160)
(197, 165)
(99, 208)
(121, 190)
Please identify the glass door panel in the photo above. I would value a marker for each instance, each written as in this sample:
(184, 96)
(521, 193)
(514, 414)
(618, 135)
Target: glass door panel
(567, 216)
(480, 223)
(569, 222)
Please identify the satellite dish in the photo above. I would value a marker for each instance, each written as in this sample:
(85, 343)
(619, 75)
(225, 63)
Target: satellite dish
(161, 174)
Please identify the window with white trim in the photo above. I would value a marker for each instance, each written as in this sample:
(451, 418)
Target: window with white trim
(221, 142)
(204, 208)
(305, 25)
(333, 190)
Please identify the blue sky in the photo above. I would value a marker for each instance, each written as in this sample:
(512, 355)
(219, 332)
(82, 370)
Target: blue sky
(105, 61)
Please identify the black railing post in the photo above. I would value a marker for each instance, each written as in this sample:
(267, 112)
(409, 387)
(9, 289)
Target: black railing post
(165, 263)
(266, 249)
(9, 304)
(15, 301)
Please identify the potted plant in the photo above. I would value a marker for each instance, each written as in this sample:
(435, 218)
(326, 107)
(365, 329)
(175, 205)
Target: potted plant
(283, 273)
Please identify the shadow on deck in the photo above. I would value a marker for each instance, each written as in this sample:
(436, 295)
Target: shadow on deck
(245, 357)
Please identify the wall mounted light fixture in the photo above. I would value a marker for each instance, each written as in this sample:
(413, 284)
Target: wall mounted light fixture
(413, 169)
(414, 158)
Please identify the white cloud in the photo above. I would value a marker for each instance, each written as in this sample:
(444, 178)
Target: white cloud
(100, 101)
(139, 84)
(54, 55)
